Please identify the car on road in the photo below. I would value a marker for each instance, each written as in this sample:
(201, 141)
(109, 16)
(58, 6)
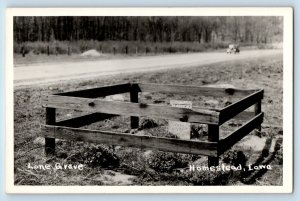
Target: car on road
(233, 48)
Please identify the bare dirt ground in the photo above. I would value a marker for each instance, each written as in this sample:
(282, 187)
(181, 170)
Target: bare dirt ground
(42, 73)
(109, 165)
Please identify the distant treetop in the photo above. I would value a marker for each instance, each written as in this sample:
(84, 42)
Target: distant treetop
(245, 29)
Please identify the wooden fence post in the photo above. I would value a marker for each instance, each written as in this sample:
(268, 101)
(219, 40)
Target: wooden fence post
(213, 136)
(48, 50)
(50, 120)
(257, 110)
(134, 98)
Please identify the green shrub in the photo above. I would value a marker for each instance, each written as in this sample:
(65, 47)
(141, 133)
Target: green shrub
(235, 158)
(166, 162)
(200, 178)
(99, 155)
(148, 123)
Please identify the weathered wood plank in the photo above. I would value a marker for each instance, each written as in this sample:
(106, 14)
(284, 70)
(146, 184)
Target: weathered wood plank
(240, 133)
(99, 92)
(129, 140)
(245, 115)
(193, 90)
(84, 120)
(132, 109)
(237, 107)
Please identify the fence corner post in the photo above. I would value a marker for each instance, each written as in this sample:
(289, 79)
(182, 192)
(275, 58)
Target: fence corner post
(134, 98)
(50, 142)
(257, 110)
(213, 136)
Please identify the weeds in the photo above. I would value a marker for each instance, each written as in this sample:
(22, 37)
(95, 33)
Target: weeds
(98, 155)
(167, 162)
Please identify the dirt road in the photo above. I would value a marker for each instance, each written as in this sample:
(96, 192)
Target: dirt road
(54, 72)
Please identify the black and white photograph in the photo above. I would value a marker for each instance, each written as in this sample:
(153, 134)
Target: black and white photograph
(160, 98)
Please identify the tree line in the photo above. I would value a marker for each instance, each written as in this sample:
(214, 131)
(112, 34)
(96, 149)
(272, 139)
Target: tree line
(238, 29)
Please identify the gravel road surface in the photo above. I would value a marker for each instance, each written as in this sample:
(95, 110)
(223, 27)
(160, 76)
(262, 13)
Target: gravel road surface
(64, 71)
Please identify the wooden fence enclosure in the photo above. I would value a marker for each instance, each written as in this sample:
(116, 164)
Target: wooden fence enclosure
(100, 109)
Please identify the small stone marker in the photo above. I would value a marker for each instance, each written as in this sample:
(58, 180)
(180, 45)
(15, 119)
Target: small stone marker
(180, 129)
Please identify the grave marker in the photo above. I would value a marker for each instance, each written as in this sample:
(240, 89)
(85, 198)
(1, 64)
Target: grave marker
(181, 129)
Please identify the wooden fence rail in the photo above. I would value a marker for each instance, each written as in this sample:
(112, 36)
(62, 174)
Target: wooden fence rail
(131, 109)
(238, 107)
(130, 140)
(237, 135)
(193, 90)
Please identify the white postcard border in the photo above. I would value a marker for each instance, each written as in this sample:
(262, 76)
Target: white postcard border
(286, 12)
